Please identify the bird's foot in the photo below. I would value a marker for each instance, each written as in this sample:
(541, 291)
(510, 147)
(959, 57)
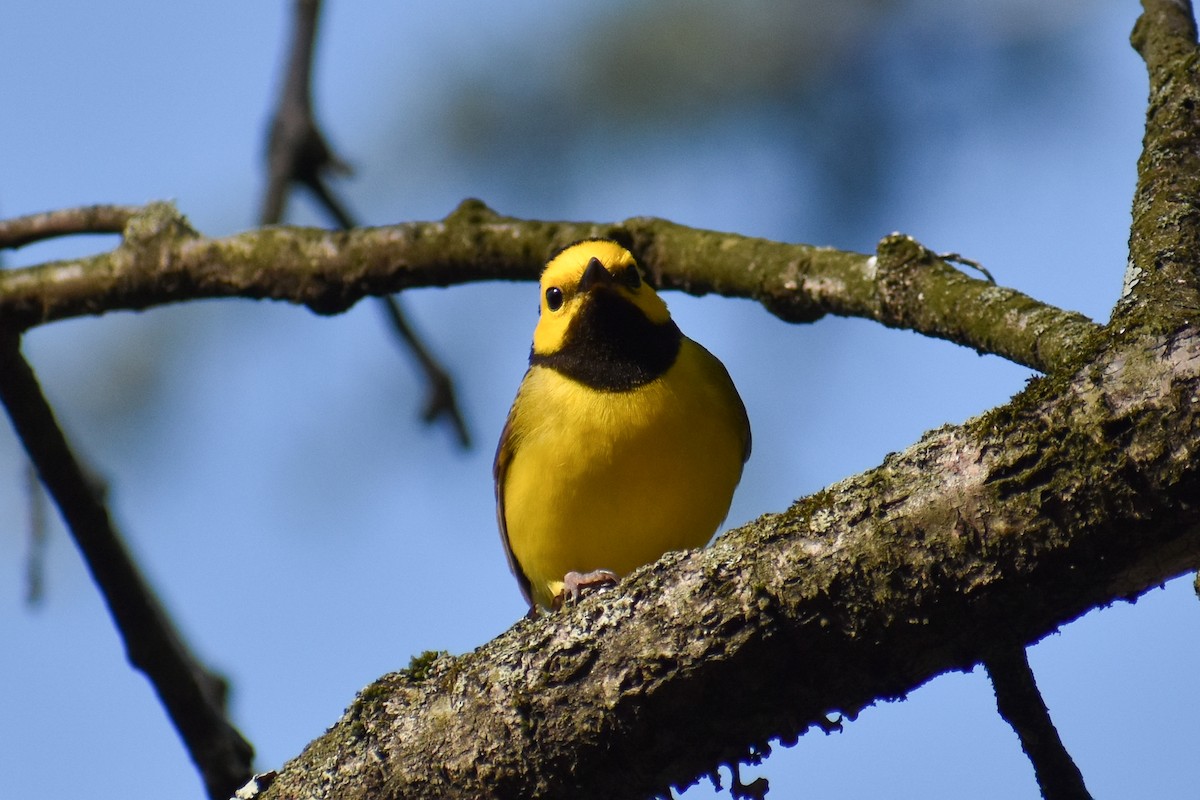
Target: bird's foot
(576, 583)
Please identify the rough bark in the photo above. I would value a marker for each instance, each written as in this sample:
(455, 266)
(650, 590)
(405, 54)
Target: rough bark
(1079, 492)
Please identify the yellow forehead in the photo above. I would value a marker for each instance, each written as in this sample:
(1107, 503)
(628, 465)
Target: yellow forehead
(566, 268)
(563, 274)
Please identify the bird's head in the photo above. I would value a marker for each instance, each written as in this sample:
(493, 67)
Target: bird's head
(581, 280)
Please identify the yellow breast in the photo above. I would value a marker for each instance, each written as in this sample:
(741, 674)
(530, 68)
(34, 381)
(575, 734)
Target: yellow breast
(612, 480)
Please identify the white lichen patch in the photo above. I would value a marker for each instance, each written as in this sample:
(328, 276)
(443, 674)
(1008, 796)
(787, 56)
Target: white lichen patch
(1133, 276)
(871, 268)
(67, 273)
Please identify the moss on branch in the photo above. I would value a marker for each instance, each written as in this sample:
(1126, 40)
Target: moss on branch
(162, 260)
(1162, 282)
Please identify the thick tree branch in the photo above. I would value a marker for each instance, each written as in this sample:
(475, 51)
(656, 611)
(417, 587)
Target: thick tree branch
(1162, 282)
(1164, 36)
(193, 697)
(162, 260)
(1080, 491)
(1020, 703)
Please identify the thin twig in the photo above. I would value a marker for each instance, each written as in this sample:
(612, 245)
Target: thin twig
(20, 231)
(193, 697)
(967, 262)
(440, 399)
(1020, 704)
(35, 564)
(329, 201)
(299, 153)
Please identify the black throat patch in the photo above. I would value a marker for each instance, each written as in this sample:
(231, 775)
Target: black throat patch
(611, 346)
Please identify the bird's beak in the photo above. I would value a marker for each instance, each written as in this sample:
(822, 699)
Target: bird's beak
(594, 275)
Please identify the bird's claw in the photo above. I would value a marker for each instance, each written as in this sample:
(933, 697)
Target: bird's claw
(576, 583)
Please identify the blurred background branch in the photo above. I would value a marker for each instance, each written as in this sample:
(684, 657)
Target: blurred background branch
(193, 696)
(297, 153)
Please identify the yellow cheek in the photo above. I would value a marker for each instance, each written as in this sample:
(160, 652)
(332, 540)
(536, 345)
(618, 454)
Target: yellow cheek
(551, 328)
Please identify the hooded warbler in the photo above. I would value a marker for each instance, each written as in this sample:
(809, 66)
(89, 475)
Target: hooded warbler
(626, 438)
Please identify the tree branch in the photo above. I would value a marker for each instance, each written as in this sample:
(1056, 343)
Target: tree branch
(1079, 491)
(1020, 704)
(193, 697)
(298, 153)
(20, 231)
(919, 290)
(1162, 285)
(296, 149)
(162, 260)
(35, 562)
(439, 398)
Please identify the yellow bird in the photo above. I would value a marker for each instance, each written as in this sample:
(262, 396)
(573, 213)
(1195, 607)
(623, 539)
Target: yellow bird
(626, 438)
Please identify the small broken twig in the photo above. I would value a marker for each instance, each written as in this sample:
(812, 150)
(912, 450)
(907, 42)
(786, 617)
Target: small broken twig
(20, 231)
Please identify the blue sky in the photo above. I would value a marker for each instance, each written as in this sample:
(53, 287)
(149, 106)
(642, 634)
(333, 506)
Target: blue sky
(309, 535)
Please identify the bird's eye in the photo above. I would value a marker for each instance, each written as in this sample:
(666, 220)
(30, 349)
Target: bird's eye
(631, 278)
(554, 298)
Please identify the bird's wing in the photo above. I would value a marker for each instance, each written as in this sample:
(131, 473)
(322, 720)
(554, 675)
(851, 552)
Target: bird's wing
(504, 456)
(735, 399)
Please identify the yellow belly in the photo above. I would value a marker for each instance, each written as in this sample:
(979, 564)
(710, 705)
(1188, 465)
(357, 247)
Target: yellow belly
(612, 480)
